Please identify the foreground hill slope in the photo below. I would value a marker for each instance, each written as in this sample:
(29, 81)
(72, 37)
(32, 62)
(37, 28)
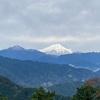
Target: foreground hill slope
(13, 91)
(16, 92)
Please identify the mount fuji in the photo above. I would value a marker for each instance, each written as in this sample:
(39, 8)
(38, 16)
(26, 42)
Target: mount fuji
(56, 49)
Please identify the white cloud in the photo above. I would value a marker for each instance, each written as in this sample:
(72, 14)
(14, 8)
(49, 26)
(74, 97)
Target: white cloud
(84, 12)
(68, 22)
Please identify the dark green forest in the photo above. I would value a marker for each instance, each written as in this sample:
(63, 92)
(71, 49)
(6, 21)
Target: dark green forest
(11, 91)
(90, 90)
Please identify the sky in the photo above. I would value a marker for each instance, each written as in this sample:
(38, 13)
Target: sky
(37, 24)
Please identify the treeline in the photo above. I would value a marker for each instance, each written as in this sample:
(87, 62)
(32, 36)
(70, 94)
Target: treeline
(39, 94)
(85, 92)
(11, 91)
(90, 90)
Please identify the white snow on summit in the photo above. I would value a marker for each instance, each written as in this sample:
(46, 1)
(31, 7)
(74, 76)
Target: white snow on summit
(56, 49)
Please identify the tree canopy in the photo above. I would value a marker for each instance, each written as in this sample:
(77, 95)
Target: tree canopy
(41, 94)
(2, 97)
(89, 91)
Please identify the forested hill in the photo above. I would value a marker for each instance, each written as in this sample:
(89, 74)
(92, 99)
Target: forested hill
(67, 89)
(29, 73)
(13, 91)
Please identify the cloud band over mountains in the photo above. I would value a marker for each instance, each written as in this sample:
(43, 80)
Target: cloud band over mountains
(73, 23)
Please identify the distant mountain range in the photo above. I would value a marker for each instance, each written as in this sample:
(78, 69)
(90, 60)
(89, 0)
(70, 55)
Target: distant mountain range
(29, 73)
(89, 60)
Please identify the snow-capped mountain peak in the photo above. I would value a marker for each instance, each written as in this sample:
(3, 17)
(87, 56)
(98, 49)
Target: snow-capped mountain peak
(16, 47)
(56, 49)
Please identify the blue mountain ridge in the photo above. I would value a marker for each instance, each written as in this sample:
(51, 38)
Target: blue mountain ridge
(89, 60)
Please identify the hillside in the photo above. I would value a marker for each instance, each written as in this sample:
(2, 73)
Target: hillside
(90, 60)
(29, 73)
(67, 89)
(13, 91)
(16, 92)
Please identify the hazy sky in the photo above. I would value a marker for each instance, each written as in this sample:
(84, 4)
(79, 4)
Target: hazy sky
(39, 23)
